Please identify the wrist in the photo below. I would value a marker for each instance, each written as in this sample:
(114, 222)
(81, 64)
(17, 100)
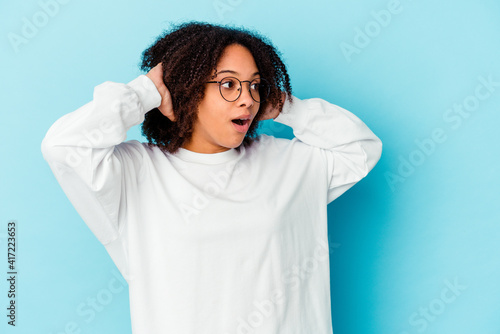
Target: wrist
(146, 91)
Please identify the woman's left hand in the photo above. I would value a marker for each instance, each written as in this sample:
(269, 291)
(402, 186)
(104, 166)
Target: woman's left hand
(273, 112)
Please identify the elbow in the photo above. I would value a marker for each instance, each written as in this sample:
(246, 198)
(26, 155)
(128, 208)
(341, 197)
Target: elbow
(378, 152)
(373, 151)
(51, 151)
(47, 148)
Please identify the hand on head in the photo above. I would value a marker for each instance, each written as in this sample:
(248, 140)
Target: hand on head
(156, 75)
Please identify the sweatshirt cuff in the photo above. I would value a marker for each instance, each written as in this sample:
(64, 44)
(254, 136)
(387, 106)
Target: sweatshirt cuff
(147, 92)
(294, 114)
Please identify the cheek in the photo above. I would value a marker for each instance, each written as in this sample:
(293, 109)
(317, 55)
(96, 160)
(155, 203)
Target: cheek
(213, 112)
(256, 108)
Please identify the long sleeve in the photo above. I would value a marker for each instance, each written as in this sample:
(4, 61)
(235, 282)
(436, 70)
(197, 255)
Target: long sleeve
(82, 149)
(349, 147)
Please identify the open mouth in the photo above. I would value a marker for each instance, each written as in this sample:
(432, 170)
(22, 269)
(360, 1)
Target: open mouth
(241, 125)
(240, 121)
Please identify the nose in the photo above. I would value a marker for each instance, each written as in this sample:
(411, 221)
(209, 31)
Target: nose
(245, 99)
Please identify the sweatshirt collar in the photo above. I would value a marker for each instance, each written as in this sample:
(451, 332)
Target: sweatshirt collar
(206, 158)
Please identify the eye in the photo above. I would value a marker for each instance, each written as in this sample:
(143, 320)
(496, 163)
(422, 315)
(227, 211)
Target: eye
(255, 86)
(228, 84)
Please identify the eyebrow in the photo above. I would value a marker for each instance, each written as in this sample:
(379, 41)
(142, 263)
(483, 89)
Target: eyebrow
(236, 73)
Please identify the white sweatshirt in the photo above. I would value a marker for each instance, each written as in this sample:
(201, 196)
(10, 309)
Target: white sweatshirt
(224, 243)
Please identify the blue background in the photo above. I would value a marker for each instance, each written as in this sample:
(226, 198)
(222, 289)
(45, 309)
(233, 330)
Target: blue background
(426, 218)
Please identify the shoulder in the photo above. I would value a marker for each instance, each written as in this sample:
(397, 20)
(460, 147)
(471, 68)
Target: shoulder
(132, 148)
(282, 144)
(266, 143)
(276, 148)
(136, 152)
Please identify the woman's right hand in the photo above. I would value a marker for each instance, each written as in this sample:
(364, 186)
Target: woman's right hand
(166, 108)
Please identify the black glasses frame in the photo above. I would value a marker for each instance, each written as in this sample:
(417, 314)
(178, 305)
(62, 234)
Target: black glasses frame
(266, 88)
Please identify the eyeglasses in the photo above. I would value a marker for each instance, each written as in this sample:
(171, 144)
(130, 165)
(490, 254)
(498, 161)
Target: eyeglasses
(230, 89)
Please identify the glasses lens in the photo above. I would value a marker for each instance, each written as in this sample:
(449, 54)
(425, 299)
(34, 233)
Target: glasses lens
(230, 89)
(259, 89)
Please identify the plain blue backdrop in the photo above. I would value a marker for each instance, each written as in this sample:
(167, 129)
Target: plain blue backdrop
(414, 246)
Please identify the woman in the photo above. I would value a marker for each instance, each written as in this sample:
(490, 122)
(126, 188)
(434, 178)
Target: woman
(216, 229)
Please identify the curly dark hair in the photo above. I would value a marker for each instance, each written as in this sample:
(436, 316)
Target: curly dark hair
(189, 53)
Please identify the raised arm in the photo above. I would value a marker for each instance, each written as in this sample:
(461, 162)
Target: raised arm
(86, 153)
(350, 148)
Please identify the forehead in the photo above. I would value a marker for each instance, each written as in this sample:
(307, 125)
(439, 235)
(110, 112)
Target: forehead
(238, 59)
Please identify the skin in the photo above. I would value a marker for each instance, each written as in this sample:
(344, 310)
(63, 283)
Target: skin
(213, 130)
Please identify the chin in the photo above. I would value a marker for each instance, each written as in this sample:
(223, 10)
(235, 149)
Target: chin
(234, 144)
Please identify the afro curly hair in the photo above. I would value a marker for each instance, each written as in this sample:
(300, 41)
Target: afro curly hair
(189, 53)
